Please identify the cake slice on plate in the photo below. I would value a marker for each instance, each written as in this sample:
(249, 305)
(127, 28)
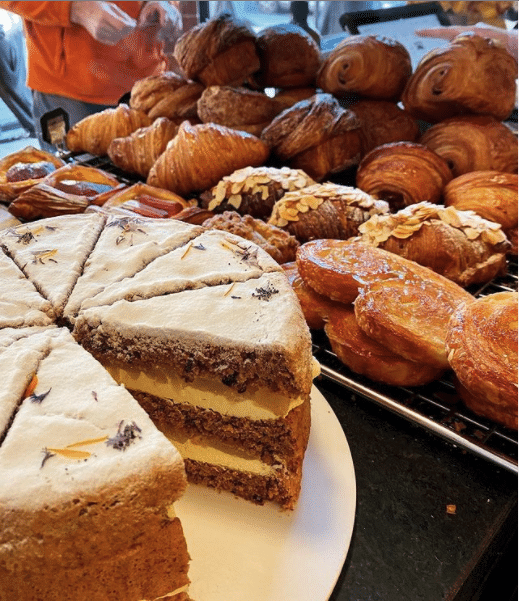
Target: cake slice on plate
(87, 485)
(20, 303)
(225, 371)
(126, 245)
(52, 252)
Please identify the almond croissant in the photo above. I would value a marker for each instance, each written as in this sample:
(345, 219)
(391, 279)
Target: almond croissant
(472, 75)
(200, 155)
(368, 66)
(94, 133)
(138, 152)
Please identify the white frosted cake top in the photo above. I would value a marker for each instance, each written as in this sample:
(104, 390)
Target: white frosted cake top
(125, 246)
(52, 252)
(215, 257)
(77, 432)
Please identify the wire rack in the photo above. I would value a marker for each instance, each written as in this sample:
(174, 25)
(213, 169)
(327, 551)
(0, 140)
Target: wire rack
(436, 406)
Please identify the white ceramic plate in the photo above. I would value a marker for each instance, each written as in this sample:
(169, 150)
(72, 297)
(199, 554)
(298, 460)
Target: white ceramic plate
(260, 553)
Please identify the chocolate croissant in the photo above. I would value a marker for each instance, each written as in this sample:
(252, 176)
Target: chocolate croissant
(367, 66)
(24, 168)
(383, 122)
(460, 245)
(471, 75)
(403, 173)
(218, 52)
(238, 108)
(166, 95)
(316, 135)
(473, 143)
(200, 155)
(94, 133)
(138, 152)
(325, 211)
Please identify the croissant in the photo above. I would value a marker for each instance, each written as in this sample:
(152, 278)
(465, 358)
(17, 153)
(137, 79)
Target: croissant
(473, 143)
(403, 173)
(460, 245)
(288, 97)
(383, 122)
(471, 75)
(482, 351)
(220, 51)
(254, 190)
(325, 211)
(368, 66)
(490, 194)
(289, 57)
(94, 133)
(316, 135)
(200, 155)
(238, 108)
(69, 189)
(166, 95)
(24, 168)
(138, 152)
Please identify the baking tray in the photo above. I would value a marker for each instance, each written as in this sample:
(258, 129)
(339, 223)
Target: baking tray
(435, 406)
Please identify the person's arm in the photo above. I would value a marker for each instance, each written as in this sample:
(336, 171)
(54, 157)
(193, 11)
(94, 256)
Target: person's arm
(44, 13)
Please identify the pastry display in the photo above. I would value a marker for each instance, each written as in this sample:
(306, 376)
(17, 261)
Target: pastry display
(238, 108)
(403, 173)
(325, 211)
(218, 52)
(289, 57)
(482, 351)
(166, 94)
(473, 143)
(459, 245)
(383, 122)
(490, 194)
(279, 244)
(20, 170)
(87, 480)
(254, 190)
(94, 133)
(316, 135)
(200, 155)
(138, 152)
(369, 357)
(70, 189)
(366, 65)
(471, 75)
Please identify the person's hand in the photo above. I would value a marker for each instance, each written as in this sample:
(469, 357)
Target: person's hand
(105, 21)
(507, 38)
(165, 19)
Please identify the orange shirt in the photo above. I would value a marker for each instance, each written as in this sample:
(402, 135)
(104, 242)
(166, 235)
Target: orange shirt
(64, 59)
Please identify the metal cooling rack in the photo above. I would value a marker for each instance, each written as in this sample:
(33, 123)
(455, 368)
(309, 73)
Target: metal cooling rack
(436, 406)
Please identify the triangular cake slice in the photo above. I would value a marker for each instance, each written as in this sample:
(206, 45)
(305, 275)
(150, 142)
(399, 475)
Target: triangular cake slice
(51, 252)
(225, 371)
(87, 485)
(126, 245)
(213, 258)
(20, 303)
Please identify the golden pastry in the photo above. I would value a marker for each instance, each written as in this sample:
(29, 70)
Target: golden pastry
(369, 66)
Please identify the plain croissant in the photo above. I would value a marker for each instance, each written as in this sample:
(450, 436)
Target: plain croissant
(94, 133)
(200, 155)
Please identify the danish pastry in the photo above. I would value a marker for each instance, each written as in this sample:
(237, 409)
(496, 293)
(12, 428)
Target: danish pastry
(471, 75)
(367, 66)
(460, 245)
(325, 211)
(94, 133)
(316, 135)
(473, 143)
(482, 350)
(403, 173)
(22, 169)
(200, 155)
